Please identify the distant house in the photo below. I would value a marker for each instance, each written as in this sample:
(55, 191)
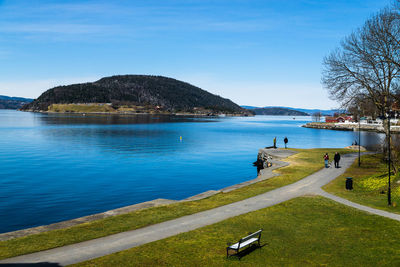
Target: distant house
(340, 119)
(365, 120)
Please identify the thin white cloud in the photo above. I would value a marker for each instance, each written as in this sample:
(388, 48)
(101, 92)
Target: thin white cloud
(93, 8)
(4, 53)
(239, 26)
(18, 8)
(56, 28)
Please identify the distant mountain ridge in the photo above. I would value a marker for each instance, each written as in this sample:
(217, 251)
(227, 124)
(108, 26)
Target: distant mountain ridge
(278, 111)
(325, 112)
(164, 93)
(10, 102)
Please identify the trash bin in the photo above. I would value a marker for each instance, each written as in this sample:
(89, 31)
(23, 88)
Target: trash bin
(349, 183)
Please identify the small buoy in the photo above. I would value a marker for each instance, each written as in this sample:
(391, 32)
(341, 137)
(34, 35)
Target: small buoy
(180, 138)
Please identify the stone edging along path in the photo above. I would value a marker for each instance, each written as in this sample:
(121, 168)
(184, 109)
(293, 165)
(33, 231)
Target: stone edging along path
(276, 155)
(106, 245)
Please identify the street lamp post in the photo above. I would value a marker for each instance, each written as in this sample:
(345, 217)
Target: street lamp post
(359, 138)
(389, 156)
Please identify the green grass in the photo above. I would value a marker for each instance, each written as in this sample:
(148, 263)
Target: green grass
(101, 108)
(369, 180)
(81, 108)
(301, 165)
(307, 231)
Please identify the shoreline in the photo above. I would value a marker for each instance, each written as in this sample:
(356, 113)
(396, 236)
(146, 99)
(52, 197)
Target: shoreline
(141, 113)
(277, 156)
(351, 127)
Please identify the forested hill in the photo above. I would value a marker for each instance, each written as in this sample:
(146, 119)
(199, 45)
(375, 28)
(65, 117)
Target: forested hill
(164, 93)
(278, 111)
(7, 102)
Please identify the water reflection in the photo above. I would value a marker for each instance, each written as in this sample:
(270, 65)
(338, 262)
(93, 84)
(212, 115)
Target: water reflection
(57, 119)
(372, 141)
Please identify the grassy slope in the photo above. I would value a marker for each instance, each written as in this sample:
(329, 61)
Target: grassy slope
(301, 165)
(307, 231)
(80, 108)
(369, 180)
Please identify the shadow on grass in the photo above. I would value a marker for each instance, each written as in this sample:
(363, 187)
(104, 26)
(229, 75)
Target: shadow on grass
(247, 251)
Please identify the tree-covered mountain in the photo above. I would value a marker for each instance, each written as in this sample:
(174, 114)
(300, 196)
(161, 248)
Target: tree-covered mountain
(7, 102)
(324, 112)
(164, 93)
(278, 111)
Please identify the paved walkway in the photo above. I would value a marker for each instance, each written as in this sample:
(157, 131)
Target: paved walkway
(106, 245)
(358, 206)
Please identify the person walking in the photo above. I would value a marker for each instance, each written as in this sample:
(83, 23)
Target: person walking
(275, 142)
(286, 141)
(326, 159)
(336, 158)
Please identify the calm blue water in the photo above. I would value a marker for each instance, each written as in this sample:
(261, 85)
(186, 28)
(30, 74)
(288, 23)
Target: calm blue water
(59, 167)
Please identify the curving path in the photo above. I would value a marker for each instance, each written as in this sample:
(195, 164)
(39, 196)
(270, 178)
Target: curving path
(106, 245)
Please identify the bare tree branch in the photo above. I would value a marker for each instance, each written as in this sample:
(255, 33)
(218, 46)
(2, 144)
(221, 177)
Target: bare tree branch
(366, 66)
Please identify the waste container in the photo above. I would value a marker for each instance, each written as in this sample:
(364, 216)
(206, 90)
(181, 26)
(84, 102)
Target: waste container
(349, 183)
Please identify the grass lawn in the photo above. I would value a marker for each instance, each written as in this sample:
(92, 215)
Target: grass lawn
(369, 180)
(306, 231)
(301, 165)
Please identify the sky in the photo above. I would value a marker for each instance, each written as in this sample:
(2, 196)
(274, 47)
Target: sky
(254, 52)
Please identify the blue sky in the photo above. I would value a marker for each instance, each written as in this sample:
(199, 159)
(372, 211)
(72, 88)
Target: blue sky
(261, 53)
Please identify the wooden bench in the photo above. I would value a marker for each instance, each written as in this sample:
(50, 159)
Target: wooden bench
(244, 242)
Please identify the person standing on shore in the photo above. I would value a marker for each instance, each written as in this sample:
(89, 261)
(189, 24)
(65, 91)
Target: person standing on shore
(259, 164)
(336, 158)
(275, 142)
(286, 141)
(326, 159)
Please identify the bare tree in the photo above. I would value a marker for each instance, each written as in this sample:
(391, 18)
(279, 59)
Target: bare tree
(366, 66)
(316, 116)
(363, 107)
(367, 63)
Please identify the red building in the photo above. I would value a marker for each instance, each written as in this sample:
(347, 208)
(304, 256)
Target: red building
(338, 119)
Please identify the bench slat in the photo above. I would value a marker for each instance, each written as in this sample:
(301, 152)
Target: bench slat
(251, 235)
(243, 244)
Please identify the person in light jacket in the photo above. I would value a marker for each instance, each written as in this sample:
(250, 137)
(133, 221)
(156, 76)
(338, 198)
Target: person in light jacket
(326, 159)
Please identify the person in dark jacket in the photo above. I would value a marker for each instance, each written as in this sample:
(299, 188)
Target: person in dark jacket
(336, 158)
(285, 141)
(259, 164)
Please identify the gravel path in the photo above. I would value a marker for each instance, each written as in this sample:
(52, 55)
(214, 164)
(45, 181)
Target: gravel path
(106, 245)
